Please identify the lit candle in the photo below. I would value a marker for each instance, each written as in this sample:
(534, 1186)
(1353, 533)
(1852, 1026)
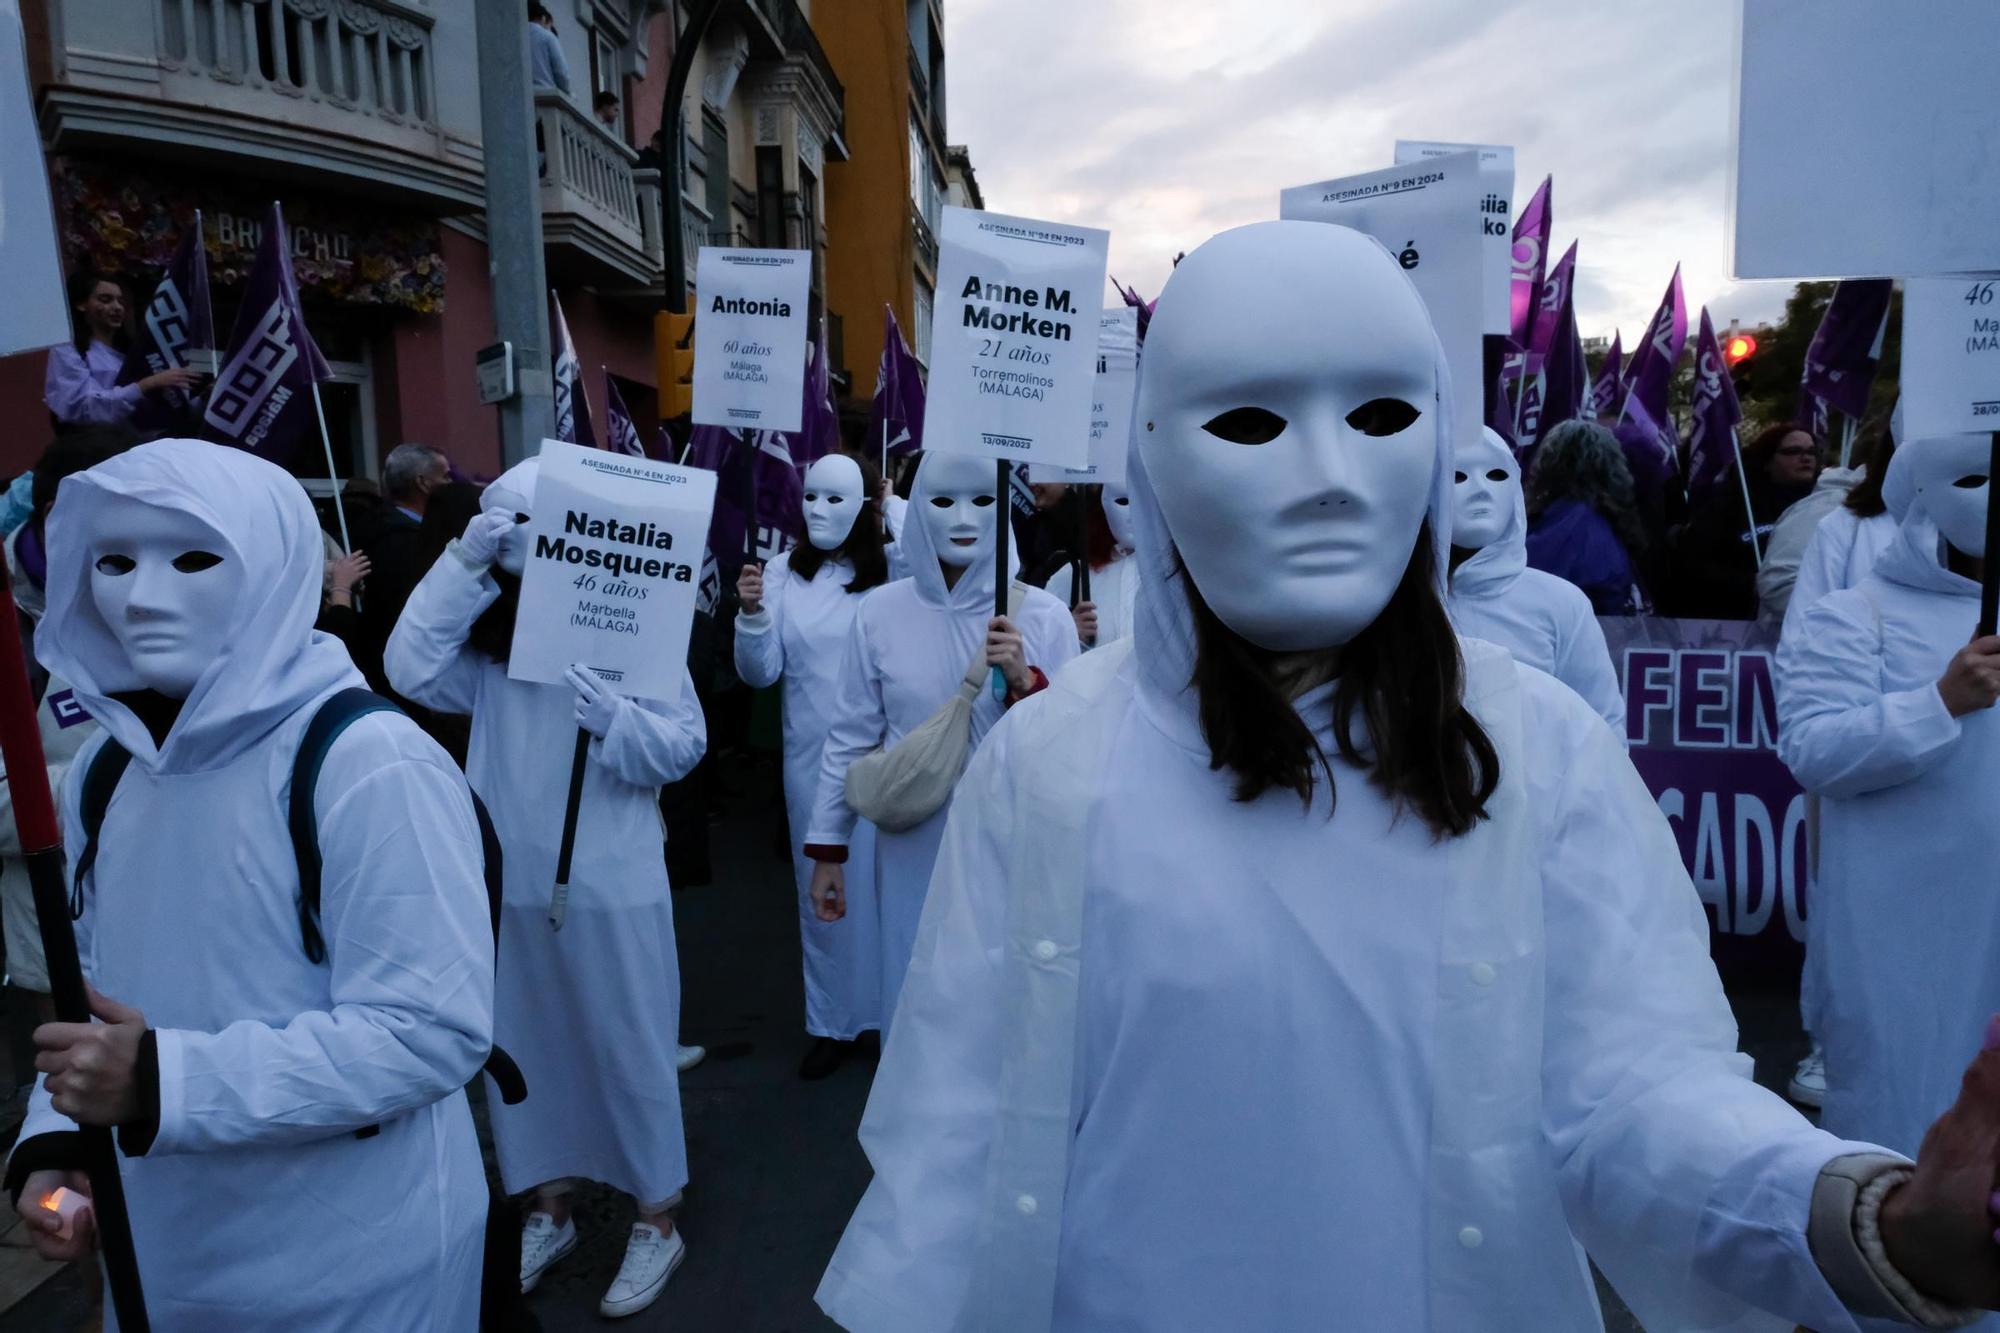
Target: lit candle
(65, 1204)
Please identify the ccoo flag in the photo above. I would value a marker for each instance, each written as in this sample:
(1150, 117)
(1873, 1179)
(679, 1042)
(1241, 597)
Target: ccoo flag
(1651, 371)
(621, 436)
(572, 402)
(262, 396)
(896, 417)
(1531, 253)
(1608, 390)
(176, 332)
(1548, 306)
(1712, 446)
(1840, 363)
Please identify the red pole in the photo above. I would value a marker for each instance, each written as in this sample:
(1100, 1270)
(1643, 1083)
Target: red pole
(41, 844)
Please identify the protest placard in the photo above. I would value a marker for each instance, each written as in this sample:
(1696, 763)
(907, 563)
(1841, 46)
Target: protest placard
(614, 549)
(35, 313)
(750, 337)
(1419, 213)
(1115, 386)
(1014, 343)
(1951, 356)
(1495, 219)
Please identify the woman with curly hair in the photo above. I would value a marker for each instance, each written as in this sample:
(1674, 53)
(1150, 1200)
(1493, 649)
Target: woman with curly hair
(1583, 524)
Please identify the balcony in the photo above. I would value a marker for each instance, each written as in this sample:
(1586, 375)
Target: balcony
(599, 211)
(300, 89)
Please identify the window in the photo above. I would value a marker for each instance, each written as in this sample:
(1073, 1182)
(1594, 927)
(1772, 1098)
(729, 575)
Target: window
(770, 198)
(920, 166)
(809, 224)
(922, 323)
(715, 185)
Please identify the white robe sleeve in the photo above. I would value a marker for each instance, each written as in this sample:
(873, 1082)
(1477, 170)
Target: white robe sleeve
(1688, 1184)
(760, 638)
(858, 723)
(409, 943)
(427, 659)
(1822, 569)
(905, 1263)
(1585, 665)
(652, 742)
(1049, 632)
(1839, 731)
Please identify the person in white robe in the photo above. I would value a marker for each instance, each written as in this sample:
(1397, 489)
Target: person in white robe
(1229, 1011)
(797, 616)
(1545, 622)
(590, 1011)
(297, 1150)
(1885, 712)
(1106, 616)
(909, 650)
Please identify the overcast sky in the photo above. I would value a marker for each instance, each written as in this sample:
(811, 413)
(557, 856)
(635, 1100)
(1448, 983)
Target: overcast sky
(1169, 120)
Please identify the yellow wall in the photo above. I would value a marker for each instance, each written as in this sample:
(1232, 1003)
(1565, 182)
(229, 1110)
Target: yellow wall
(870, 242)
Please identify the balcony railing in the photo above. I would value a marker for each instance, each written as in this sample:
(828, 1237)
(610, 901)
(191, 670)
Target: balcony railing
(368, 56)
(594, 197)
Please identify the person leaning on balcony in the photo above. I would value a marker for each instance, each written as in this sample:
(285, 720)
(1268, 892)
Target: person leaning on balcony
(82, 387)
(547, 67)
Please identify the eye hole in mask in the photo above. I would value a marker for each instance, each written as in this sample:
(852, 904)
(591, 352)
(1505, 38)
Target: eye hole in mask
(1970, 483)
(982, 501)
(194, 562)
(1246, 425)
(520, 518)
(116, 564)
(1458, 479)
(1383, 416)
(811, 496)
(1122, 500)
(833, 499)
(1497, 474)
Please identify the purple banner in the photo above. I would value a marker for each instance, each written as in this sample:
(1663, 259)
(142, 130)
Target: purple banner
(263, 396)
(1702, 722)
(176, 331)
(1608, 392)
(1531, 253)
(1840, 364)
(1712, 447)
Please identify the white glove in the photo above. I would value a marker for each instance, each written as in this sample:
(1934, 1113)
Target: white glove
(596, 705)
(482, 537)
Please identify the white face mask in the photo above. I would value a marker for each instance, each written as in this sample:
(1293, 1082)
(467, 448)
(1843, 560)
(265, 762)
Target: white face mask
(167, 586)
(1288, 406)
(1484, 493)
(834, 498)
(513, 555)
(959, 512)
(1118, 516)
(1949, 476)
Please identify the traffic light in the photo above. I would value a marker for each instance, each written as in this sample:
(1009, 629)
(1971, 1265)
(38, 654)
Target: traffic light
(1738, 348)
(673, 350)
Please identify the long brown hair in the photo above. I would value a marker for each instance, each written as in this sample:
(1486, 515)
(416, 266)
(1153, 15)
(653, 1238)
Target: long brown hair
(1402, 675)
(861, 547)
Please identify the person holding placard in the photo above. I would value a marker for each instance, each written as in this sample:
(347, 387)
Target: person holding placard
(1106, 615)
(1299, 965)
(906, 659)
(797, 616)
(590, 1012)
(1885, 702)
(1544, 621)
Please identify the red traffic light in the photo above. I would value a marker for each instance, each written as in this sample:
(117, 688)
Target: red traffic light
(1738, 348)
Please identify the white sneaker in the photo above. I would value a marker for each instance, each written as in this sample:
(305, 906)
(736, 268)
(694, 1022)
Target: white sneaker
(542, 1243)
(650, 1259)
(687, 1057)
(1808, 1086)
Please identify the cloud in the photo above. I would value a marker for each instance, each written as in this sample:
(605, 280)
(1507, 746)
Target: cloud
(1169, 120)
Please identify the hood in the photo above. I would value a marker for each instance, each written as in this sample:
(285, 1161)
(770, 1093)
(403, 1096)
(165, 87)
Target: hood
(1495, 566)
(1915, 559)
(974, 590)
(27, 568)
(1163, 623)
(1841, 479)
(275, 663)
(517, 480)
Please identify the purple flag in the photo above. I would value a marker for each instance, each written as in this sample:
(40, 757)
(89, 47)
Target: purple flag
(1840, 363)
(176, 331)
(1712, 446)
(1565, 374)
(1531, 252)
(755, 475)
(1652, 367)
(1609, 389)
(262, 399)
(896, 417)
(1144, 307)
(572, 402)
(1548, 306)
(621, 436)
(1498, 354)
(819, 420)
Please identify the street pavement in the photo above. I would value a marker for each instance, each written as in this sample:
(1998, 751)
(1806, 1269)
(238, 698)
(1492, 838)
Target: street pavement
(775, 1168)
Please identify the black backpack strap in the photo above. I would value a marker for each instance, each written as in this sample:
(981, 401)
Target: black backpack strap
(334, 716)
(500, 1066)
(100, 780)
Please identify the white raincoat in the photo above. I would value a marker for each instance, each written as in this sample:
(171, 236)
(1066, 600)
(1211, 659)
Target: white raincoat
(1167, 1061)
(256, 1206)
(1544, 621)
(801, 636)
(591, 1012)
(1909, 923)
(911, 644)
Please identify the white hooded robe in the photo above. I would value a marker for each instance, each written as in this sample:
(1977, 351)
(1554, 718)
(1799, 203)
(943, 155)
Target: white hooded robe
(800, 636)
(591, 1012)
(1114, 590)
(911, 644)
(255, 1205)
